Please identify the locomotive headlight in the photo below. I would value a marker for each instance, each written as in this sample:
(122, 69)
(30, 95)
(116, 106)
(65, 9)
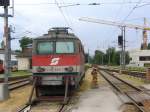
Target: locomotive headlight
(69, 69)
(40, 69)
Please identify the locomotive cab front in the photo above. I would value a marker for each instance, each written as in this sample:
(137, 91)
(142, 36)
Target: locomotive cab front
(55, 58)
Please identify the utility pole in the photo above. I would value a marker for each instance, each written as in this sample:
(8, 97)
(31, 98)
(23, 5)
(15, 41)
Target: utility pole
(102, 59)
(124, 48)
(145, 36)
(4, 91)
(6, 39)
(109, 56)
(88, 57)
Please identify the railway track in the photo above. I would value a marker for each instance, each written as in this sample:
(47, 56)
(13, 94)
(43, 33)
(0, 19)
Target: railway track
(15, 78)
(135, 95)
(137, 74)
(18, 83)
(46, 107)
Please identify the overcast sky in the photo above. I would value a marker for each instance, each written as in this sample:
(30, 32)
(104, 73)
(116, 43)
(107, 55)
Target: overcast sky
(37, 16)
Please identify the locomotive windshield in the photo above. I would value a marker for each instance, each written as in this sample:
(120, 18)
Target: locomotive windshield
(58, 47)
(64, 47)
(45, 48)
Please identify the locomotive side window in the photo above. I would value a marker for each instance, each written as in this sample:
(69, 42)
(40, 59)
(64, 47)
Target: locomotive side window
(65, 47)
(45, 48)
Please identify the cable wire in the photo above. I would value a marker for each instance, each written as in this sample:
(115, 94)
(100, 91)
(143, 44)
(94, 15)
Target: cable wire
(62, 13)
(69, 19)
(102, 3)
(132, 11)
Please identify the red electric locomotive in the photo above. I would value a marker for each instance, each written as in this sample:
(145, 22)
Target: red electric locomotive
(57, 62)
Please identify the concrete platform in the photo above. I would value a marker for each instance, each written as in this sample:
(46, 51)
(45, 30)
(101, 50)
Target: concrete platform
(102, 99)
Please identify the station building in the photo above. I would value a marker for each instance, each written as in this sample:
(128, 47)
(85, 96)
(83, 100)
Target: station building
(21, 60)
(24, 59)
(139, 58)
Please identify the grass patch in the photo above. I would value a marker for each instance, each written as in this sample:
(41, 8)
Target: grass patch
(87, 66)
(21, 73)
(139, 69)
(18, 73)
(133, 80)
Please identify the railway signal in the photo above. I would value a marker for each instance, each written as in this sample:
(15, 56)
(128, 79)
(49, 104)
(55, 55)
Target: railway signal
(120, 40)
(4, 2)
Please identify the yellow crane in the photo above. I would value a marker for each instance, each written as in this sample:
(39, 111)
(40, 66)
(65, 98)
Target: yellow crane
(113, 23)
(123, 26)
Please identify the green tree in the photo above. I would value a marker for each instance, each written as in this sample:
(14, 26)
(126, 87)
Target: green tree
(117, 58)
(148, 47)
(25, 41)
(111, 54)
(2, 44)
(111, 57)
(127, 58)
(17, 51)
(98, 57)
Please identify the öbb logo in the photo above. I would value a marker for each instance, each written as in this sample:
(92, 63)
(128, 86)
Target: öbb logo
(54, 61)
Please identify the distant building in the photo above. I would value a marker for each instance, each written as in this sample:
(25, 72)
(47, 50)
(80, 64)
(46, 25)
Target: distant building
(2, 55)
(24, 59)
(14, 60)
(140, 58)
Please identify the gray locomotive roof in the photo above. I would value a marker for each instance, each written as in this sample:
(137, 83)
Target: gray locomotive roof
(57, 32)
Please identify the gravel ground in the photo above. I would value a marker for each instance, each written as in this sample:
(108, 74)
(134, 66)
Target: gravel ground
(17, 99)
(101, 99)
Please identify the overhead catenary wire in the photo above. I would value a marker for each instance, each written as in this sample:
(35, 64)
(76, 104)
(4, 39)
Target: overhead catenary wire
(102, 3)
(116, 15)
(62, 13)
(131, 11)
(69, 18)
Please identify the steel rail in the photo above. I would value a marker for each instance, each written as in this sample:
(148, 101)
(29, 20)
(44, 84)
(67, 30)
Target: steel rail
(122, 92)
(18, 84)
(138, 89)
(61, 109)
(27, 107)
(130, 73)
(18, 81)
